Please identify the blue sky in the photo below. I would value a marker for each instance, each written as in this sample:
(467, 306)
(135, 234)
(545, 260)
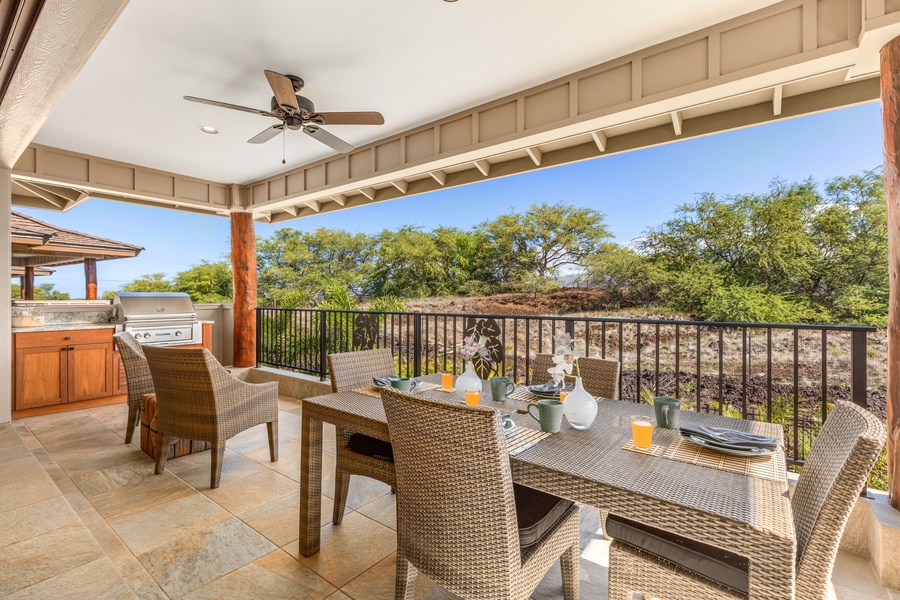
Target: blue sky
(634, 191)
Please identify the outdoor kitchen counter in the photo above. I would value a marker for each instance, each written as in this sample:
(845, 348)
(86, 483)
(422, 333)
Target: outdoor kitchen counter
(63, 327)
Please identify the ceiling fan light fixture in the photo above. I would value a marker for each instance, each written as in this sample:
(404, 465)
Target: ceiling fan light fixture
(208, 129)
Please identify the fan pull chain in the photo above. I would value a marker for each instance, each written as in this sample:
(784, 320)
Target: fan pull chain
(283, 131)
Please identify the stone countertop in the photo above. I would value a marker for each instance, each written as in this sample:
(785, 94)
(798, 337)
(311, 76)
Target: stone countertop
(63, 327)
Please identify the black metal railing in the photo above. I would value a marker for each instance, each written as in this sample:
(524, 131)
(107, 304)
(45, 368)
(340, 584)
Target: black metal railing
(781, 373)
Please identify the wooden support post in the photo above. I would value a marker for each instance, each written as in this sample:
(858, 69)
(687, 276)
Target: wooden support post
(890, 110)
(243, 268)
(21, 287)
(90, 279)
(28, 284)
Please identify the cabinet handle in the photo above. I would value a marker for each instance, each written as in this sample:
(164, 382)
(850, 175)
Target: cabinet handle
(68, 337)
(63, 349)
(71, 347)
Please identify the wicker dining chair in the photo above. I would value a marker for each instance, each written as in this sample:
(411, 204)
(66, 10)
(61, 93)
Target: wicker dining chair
(357, 453)
(827, 489)
(600, 377)
(459, 515)
(198, 399)
(137, 374)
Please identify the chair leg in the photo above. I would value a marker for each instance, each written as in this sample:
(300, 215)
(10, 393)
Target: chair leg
(571, 566)
(341, 489)
(134, 417)
(407, 574)
(218, 457)
(273, 440)
(603, 515)
(162, 451)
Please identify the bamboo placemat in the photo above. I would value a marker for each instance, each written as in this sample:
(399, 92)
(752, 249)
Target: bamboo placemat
(770, 467)
(522, 438)
(653, 450)
(522, 394)
(375, 391)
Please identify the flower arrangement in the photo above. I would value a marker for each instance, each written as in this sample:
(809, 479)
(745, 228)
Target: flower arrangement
(565, 359)
(474, 346)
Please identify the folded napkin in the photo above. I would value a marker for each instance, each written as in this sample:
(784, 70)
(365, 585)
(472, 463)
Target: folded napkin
(384, 380)
(730, 437)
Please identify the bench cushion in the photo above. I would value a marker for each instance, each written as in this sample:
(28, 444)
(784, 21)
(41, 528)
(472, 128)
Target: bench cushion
(536, 513)
(723, 567)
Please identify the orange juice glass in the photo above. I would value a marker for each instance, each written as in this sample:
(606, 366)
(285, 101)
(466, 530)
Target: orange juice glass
(642, 431)
(473, 397)
(562, 395)
(446, 380)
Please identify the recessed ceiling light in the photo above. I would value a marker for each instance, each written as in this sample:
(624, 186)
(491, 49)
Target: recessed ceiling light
(208, 129)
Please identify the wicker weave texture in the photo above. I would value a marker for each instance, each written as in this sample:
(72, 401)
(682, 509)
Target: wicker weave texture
(349, 371)
(600, 377)
(137, 374)
(198, 399)
(828, 487)
(458, 525)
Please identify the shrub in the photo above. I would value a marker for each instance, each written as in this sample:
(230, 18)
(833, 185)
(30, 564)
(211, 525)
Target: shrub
(752, 304)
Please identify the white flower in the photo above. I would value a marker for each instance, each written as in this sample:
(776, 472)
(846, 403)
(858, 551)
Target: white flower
(557, 374)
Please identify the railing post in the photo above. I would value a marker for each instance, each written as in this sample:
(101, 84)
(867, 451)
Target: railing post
(259, 333)
(417, 344)
(323, 361)
(858, 377)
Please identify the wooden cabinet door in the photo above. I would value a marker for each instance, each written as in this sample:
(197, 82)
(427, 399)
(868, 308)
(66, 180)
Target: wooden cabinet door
(40, 376)
(120, 381)
(89, 371)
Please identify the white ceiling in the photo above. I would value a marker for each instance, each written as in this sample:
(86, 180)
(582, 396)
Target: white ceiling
(412, 60)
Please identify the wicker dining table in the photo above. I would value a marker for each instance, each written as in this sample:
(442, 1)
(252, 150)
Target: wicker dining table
(741, 513)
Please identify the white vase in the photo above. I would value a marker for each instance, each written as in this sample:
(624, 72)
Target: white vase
(580, 407)
(467, 381)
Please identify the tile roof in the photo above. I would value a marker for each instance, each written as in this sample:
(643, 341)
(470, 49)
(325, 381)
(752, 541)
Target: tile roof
(24, 226)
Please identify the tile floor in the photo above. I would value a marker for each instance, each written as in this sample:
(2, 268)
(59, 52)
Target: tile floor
(84, 517)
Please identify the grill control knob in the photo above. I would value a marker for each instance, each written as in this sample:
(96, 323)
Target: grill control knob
(146, 335)
(177, 333)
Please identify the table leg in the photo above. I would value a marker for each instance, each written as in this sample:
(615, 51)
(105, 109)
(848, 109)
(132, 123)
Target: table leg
(310, 484)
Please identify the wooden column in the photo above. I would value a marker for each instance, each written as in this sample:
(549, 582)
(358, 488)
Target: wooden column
(243, 268)
(28, 284)
(21, 287)
(90, 279)
(890, 108)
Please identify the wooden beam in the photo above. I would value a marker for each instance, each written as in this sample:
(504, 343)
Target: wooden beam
(599, 139)
(340, 199)
(439, 176)
(536, 155)
(676, 122)
(777, 97)
(315, 205)
(368, 193)
(28, 284)
(243, 269)
(90, 279)
(63, 38)
(483, 166)
(401, 184)
(890, 114)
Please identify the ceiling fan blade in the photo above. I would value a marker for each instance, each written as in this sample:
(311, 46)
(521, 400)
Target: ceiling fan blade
(349, 118)
(283, 90)
(256, 111)
(314, 131)
(266, 134)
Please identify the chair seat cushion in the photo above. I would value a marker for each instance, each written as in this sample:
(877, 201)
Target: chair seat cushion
(364, 444)
(718, 565)
(537, 512)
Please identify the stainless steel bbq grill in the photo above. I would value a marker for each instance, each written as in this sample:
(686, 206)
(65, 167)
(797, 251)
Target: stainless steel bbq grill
(159, 318)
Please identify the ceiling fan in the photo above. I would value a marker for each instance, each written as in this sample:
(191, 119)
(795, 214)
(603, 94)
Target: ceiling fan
(297, 112)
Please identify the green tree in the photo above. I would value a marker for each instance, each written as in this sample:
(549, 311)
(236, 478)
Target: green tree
(206, 282)
(626, 276)
(152, 282)
(561, 235)
(409, 263)
(44, 291)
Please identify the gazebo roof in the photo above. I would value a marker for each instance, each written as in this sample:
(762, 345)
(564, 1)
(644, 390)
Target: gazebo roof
(36, 243)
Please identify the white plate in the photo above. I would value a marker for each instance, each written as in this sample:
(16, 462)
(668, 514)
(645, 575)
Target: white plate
(729, 451)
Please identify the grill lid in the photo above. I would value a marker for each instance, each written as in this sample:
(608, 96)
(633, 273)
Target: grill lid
(154, 306)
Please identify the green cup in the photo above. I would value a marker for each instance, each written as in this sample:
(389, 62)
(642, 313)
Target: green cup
(404, 384)
(549, 414)
(501, 387)
(667, 411)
